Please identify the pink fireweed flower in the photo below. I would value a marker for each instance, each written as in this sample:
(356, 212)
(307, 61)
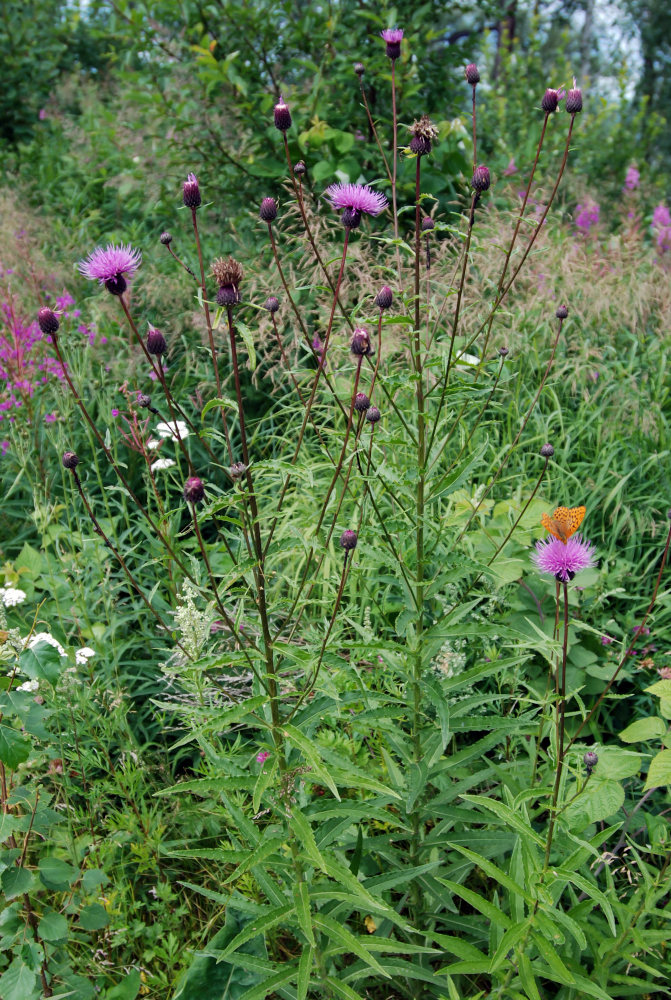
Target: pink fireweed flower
(109, 266)
(352, 200)
(587, 216)
(563, 559)
(632, 179)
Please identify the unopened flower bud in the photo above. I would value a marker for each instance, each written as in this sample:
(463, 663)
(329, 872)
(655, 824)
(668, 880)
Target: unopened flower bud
(373, 415)
(48, 320)
(361, 402)
(427, 224)
(348, 540)
(143, 400)
(590, 760)
(268, 209)
(360, 343)
(272, 304)
(194, 490)
(574, 101)
(550, 100)
(503, 352)
(166, 239)
(70, 460)
(472, 74)
(156, 343)
(359, 68)
(547, 451)
(384, 297)
(562, 312)
(300, 168)
(282, 116)
(481, 179)
(191, 192)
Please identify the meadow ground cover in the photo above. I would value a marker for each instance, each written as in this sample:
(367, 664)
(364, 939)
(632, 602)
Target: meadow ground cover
(335, 610)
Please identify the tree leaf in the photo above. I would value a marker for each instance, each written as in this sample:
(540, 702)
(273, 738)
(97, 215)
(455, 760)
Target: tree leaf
(644, 729)
(659, 772)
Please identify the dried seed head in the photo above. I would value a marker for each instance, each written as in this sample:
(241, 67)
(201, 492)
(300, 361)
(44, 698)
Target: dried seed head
(373, 415)
(70, 460)
(359, 69)
(227, 272)
(424, 133)
(300, 168)
(268, 209)
(550, 100)
(360, 343)
(361, 402)
(547, 451)
(156, 343)
(282, 116)
(590, 760)
(427, 224)
(384, 297)
(503, 352)
(48, 321)
(272, 304)
(574, 100)
(237, 470)
(143, 400)
(472, 74)
(194, 490)
(348, 540)
(562, 312)
(191, 192)
(481, 179)
(166, 239)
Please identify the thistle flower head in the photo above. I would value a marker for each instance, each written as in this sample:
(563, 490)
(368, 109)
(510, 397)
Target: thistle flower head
(359, 69)
(551, 99)
(547, 450)
(166, 239)
(472, 74)
(393, 37)
(47, 320)
(563, 559)
(361, 402)
(481, 179)
(428, 224)
(194, 490)
(424, 133)
(70, 460)
(561, 312)
(352, 200)
(282, 116)
(372, 415)
(111, 266)
(272, 304)
(191, 192)
(574, 99)
(348, 540)
(156, 342)
(384, 297)
(360, 343)
(268, 210)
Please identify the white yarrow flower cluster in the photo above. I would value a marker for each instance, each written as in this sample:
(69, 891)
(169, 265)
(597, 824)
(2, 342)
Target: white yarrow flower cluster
(46, 637)
(175, 430)
(29, 686)
(83, 655)
(11, 596)
(161, 464)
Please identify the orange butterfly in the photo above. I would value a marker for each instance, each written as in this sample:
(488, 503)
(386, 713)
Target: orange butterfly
(564, 522)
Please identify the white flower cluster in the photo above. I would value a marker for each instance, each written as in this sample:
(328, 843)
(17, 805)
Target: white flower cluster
(193, 624)
(11, 596)
(161, 464)
(176, 431)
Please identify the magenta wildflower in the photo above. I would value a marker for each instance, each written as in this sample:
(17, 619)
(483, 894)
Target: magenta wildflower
(632, 179)
(606, 640)
(661, 227)
(191, 192)
(262, 756)
(393, 37)
(109, 266)
(587, 216)
(563, 560)
(353, 199)
(510, 169)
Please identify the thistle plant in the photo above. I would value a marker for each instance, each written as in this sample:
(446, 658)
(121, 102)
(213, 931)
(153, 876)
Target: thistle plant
(446, 865)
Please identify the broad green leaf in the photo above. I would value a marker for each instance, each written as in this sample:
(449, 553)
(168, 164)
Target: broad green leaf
(269, 985)
(207, 979)
(262, 850)
(15, 881)
(659, 772)
(598, 801)
(127, 989)
(507, 942)
(52, 927)
(221, 401)
(494, 872)
(662, 689)
(590, 890)
(248, 339)
(57, 874)
(14, 748)
(527, 977)
(18, 982)
(43, 662)
(491, 912)
(304, 972)
(93, 917)
(340, 989)
(549, 953)
(644, 729)
(506, 814)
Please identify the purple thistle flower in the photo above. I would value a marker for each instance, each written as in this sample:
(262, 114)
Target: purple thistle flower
(393, 37)
(563, 560)
(109, 266)
(353, 199)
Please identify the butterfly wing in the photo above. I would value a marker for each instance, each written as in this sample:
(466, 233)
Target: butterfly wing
(564, 522)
